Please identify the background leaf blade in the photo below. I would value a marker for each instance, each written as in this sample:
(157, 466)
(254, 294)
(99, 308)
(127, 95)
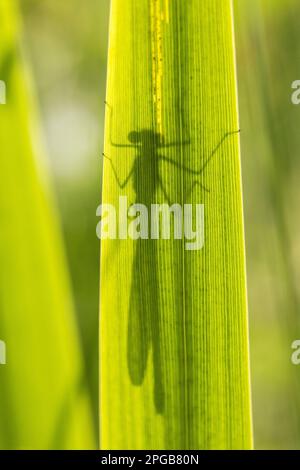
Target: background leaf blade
(44, 404)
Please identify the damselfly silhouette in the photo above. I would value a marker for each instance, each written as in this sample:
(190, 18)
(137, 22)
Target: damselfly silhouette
(144, 325)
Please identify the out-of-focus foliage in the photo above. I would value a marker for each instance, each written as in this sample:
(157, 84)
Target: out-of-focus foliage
(67, 45)
(67, 41)
(268, 62)
(43, 395)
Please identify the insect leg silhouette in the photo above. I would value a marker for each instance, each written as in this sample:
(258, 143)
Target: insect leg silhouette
(128, 177)
(164, 191)
(198, 172)
(112, 143)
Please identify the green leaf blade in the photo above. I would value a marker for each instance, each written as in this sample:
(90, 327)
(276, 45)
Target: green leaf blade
(43, 398)
(174, 334)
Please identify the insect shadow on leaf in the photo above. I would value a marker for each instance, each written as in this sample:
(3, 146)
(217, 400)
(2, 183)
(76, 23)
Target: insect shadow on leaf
(144, 324)
(7, 62)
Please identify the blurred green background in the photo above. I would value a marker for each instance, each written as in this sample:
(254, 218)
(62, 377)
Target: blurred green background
(268, 59)
(66, 46)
